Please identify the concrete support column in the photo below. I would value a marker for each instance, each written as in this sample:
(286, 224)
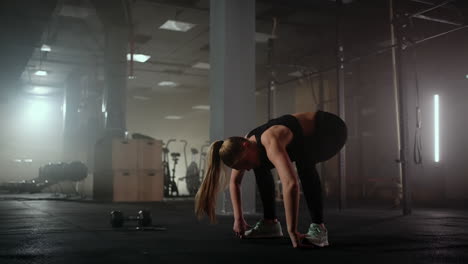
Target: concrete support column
(114, 16)
(232, 82)
(72, 146)
(114, 99)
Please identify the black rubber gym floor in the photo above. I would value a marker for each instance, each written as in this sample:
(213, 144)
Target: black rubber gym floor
(57, 231)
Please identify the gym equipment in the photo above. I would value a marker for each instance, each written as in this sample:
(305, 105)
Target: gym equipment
(57, 172)
(143, 218)
(192, 174)
(52, 172)
(49, 174)
(202, 161)
(75, 171)
(170, 186)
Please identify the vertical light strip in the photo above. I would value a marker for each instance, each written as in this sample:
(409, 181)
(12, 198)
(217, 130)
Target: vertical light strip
(436, 128)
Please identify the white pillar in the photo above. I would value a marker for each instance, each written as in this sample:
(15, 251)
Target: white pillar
(232, 80)
(72, 147)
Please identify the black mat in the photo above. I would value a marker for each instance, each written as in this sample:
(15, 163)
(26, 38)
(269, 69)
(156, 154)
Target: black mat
(57, 231)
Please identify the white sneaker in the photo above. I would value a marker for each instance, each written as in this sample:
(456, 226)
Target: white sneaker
(317, 235)
(264, 229)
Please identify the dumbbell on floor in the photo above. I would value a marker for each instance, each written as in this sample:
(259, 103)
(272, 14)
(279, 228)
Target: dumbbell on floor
(143, 218)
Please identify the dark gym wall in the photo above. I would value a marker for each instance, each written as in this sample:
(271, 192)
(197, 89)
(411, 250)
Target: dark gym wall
(21, 23)
(442, 68)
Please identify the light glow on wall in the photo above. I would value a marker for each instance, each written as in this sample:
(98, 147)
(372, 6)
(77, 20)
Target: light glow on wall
(436, 128)
(37, 111)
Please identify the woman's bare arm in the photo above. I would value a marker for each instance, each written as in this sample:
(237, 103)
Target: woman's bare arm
(234, 190)
(275, 145)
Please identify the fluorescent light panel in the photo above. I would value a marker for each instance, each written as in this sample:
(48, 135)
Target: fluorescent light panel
(295, 74)
(138, 57)
(173, 117)
(201, 107)
(175, 25)
(436, 128)
(46, 48)
(201, 65)
(168, 84)
(23, 160)
(41, 73)
(40, 90)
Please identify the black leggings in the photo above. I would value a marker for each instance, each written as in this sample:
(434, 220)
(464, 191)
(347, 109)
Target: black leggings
(329, 137)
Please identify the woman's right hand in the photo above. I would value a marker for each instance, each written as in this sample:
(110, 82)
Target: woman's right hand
(240, 226)
(298, 240)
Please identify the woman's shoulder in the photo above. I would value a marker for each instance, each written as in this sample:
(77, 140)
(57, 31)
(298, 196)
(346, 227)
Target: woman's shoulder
(277, 134)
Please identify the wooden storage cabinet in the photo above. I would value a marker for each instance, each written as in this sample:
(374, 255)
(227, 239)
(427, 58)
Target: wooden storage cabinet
(151, 185)
(124, 154)
(128, 170)
(125, 186)
(149, 155)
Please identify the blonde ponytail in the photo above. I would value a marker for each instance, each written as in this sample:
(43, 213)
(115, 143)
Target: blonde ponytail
(205, 199)
(221, 152)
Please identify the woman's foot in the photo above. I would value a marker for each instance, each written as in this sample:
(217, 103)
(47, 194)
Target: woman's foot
(265, 229)
(317, 235)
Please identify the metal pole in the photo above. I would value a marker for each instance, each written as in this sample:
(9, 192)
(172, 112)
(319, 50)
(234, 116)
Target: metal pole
(439, 20)
(372, 53)
(432, 8)
(341, 102)
(271, 82)
(400, 108)
(440, 35)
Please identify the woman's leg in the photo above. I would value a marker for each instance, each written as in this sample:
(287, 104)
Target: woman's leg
(329, 137)
(312, 189)
(266, 187)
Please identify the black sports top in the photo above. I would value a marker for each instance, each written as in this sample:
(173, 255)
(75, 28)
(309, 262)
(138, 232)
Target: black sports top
(294, 148)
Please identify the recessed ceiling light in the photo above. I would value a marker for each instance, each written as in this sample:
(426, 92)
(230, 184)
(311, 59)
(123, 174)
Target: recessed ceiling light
(41, 73)
(295, 74)
(201, 65)
(40, 90)
(46, 48)
(139, 97)
(173, 117)
(131, 77)
(168, 84)
(138, 57)
(201, 107)
(177, 26)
